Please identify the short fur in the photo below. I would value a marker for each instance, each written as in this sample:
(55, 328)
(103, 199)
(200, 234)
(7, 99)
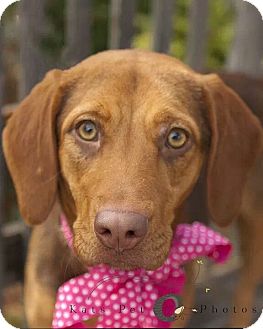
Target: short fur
(135, 97)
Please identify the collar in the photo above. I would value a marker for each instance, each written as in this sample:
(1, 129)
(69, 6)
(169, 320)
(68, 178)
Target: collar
(126, 299)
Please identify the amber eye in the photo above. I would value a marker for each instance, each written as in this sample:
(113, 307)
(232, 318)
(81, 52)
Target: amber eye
(87, 130)
(177, 138)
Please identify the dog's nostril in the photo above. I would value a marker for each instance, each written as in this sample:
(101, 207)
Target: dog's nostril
(105, 232)
(130, 234)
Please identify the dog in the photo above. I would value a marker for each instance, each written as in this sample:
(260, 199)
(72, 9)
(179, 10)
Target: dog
(120, 140)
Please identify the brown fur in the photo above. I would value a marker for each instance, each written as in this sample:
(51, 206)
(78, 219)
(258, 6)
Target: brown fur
(135, 97)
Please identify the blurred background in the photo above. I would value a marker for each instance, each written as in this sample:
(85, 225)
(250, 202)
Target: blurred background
(38, 35)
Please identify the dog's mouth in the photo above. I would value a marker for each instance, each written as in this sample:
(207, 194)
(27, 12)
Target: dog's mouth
(149, 255)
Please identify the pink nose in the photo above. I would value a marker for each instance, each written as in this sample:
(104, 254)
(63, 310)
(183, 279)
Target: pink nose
(120, 230)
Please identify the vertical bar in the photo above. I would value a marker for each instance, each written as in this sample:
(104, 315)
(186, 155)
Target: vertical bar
(2, 179)
(121, 28)
(78, 37)
(163, 11)
(197, 35)
(33, 27)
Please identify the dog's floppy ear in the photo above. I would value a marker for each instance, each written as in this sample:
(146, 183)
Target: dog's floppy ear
(29, 143)
(236, 141)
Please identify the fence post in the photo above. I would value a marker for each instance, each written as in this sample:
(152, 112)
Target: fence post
(163, 11)
(2, 180)
(121, 28)
(78, 38)
(33, 27)
(197, 37)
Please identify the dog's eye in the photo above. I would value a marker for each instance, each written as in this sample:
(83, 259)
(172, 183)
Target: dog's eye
(177, 138)
(87, 130)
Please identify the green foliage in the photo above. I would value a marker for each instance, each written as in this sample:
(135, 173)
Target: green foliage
(53, 43)
(220, 34)
(220, 30)
(99, 30)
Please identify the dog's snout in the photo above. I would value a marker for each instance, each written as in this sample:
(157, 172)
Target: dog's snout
(120, 230)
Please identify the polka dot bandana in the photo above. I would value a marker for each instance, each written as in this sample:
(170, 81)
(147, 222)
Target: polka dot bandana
(125, 299)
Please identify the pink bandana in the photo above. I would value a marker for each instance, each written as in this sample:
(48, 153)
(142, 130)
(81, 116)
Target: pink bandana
(125, 299)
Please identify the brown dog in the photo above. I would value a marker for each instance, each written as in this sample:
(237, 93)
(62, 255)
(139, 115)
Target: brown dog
(120, 140)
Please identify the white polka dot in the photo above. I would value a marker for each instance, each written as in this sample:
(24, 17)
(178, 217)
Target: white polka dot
(138, 289)
(72, 281)
(134, 315)
(199, 249)
(108, 322)
(113, 296)
(66, 288)
(133, 304)
(141, 317)
(61, 297)
(181, 249)
(131, 273)
(109, 288)
(103, 295)
(138, 299)
(58, 314)
(116, 307)
(193, 241)
(116, 280)
(211, 242)
(63, 306)
(108, 312)
(76, 317)
(153, 296)
(85, 291)
(125, 319)
(117, 316)
(117, 325)
(69, 298)
(123, 300)
(148, 287)
(81, 282)
(131, 294)
(91, 284)
(96, 276)
(122, 291)
(129, 284)
(60, 323)
(134, 323)
(66, 315)
(185, 257)
(79, 299)
(75, 290)
(148, 304)
(94, 293)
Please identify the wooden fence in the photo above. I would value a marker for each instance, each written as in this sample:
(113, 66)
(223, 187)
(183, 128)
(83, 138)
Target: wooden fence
(78, 28)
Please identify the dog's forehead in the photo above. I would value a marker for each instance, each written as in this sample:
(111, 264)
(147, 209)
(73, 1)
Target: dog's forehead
(143, 79)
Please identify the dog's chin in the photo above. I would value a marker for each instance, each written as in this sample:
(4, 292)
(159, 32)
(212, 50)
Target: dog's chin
(128, 261)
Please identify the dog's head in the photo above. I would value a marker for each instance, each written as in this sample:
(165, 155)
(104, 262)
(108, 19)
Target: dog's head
(122, 138)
